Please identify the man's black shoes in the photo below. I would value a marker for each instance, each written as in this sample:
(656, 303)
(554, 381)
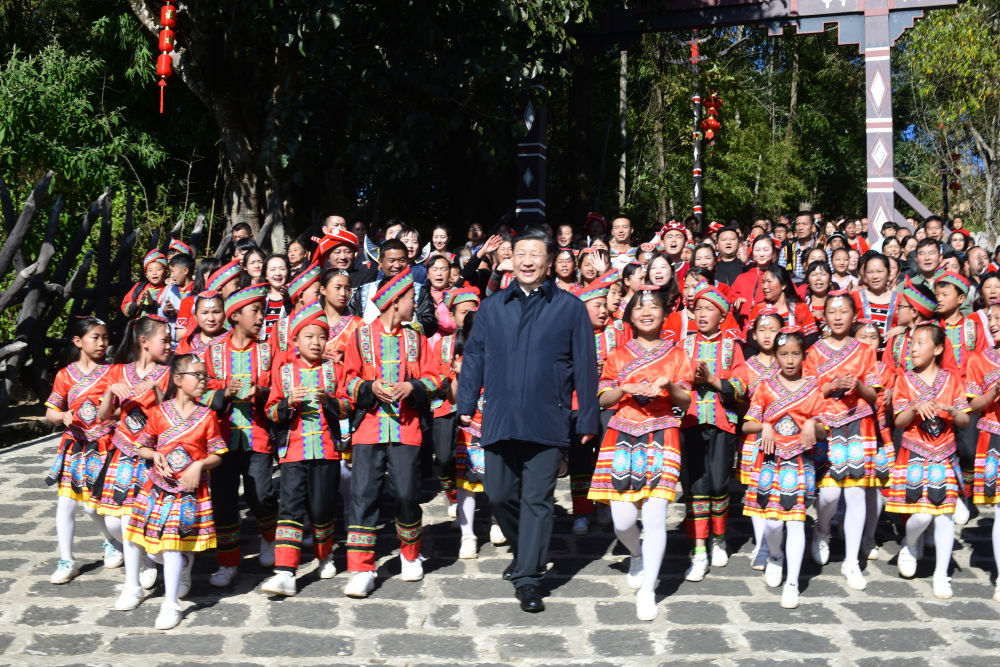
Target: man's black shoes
(531, 599)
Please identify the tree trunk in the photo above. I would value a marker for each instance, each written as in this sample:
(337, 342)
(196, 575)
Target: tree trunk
(623, 126)
(661, 160)
(793, 99)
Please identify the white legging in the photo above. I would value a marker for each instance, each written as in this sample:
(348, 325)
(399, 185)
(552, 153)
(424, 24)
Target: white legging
(758, 523)
(794, 548)
(996, 535)
(66, 525)
(854, 516)
(653, 544)
(944, 537)
(466, 511)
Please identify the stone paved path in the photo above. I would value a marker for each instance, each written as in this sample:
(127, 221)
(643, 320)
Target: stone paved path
(464, 613)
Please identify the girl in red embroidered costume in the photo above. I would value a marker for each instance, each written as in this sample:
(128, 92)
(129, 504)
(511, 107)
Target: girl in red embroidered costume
(171, 518)
(848, 374)
(73, 403)
(638, 465)
(784, 411)
(927, 401)
(135, 386)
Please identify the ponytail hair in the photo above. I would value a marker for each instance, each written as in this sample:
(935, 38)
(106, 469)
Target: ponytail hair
(137, 329)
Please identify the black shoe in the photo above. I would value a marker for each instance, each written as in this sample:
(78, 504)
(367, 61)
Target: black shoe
(509, 572)
(531, 599)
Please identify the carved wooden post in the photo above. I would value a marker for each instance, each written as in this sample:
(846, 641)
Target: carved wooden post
(531, 155)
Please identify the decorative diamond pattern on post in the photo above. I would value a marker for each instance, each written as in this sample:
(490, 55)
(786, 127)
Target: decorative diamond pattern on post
(528, 178)
(529, 117)
(877, 89)
(880, 217)
(879, 153)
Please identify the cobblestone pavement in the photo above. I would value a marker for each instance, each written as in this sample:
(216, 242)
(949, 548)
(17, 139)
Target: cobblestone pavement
(464, 613)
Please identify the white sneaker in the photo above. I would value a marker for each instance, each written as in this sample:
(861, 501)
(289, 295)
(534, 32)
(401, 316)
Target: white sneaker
(758, 557)
(698, 568)
(961, 512)
(113, 556)
(222, 577)
(169, 616)
(720, 557)
(327, 569)
(942, 586)
(281, 582)
(185, 586)
(870, 550)
(906, 562)
(790, 595)
(645, 606)
(820, 549)
(129, 598)
(66, 571)
(411, 570)
(452, 510)
(855, 579)
(468, 548)
(635, 575)
(497, 537)
(774, 571)
(360, 585)
(266, 554)
(147, 573)
(581, 525)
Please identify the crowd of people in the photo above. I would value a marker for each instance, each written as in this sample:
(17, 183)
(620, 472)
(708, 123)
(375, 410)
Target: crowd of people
(791, 358)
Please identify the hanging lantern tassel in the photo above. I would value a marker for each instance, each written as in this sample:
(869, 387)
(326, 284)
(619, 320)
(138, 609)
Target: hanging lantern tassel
(164, 68)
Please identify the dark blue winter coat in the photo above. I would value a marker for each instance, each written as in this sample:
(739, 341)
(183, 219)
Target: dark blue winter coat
(530, 353)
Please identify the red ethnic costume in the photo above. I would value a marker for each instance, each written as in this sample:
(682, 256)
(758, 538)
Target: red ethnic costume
(165, 517)
(308, 448)
(389, 435)
(86, 442)
(244, 429)
(124, 472)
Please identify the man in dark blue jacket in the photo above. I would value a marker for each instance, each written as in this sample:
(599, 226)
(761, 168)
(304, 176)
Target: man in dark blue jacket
(531, 347)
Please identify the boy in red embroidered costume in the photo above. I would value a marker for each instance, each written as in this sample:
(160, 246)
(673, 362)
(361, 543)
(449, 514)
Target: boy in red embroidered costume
(389, 372)
(303, 401)
(240, 370)
(146, 295)
(708, 434)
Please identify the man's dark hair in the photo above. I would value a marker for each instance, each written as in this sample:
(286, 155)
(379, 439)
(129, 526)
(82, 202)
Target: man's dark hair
(928, 242)
(537, 234)
(934, 217)
(243, 227)
(888, 225)
(729, 228)
(393, 244)
(804, 213)
(780, 224)
(246, 245)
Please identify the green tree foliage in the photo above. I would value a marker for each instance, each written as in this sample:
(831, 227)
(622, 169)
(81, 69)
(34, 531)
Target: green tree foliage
(948, 75)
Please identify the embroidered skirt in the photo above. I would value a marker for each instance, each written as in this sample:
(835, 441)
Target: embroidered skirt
(161, 520)
(469, 461)
(779, 488)
(631, 468)
(922, 486)
(984, 483)
(119, 481)
(748, 457)
(849, 458)
(77, 465)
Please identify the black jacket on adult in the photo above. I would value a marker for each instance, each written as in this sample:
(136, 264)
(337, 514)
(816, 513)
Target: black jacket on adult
(727, 271)
(528, 354)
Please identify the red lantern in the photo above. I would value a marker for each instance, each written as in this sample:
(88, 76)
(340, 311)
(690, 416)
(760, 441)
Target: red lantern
(166, 40)
(164, 66)
(713, 124)
(956, 186)
(709, 134)
(168, 16)
(712, 111)
(164, 63)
